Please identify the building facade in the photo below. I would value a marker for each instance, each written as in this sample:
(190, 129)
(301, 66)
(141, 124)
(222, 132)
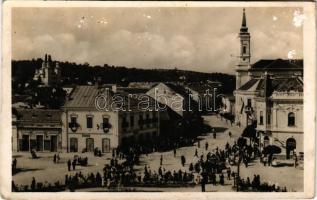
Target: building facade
(269, 93)
(87, 126)
(37, 129)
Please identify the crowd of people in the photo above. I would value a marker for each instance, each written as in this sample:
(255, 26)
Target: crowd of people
(78, 181)
(38, 187)
(213, 166)
(255, 185)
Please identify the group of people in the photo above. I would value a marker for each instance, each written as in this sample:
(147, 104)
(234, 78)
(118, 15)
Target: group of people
(56, 158)
(256, 186)
(38, 187)
(80, 181)
(166, 177)
(71, 165)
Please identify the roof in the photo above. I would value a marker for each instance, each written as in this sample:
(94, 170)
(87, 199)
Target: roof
(132, 90)
(38, 115)
(178, 89)
(83, 97)
(274, 84)
(278, 64)
(295, 84)
(200, 88)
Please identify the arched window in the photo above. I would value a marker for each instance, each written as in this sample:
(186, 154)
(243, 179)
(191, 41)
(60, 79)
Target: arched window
(244, 50)
(291, 119)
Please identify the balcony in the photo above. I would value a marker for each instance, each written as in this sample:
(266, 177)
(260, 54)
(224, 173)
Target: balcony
(248, 110)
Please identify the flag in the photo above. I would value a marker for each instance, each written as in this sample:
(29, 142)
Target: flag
(242, 106)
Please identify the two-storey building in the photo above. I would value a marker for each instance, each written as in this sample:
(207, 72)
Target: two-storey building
(98, 117)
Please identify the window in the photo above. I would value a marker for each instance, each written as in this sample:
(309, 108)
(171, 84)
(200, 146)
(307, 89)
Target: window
(140, 119)
(89, 122)
(261, 118)
(124, 124)
(244, 49)
(105, 124)
(249, 103)
(73, 120)
(73, 147)
(132, 120)
(291, 119)
(268, 119)
(105, 120)
(147, 120)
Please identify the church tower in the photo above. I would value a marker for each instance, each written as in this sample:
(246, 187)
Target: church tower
(243, 66)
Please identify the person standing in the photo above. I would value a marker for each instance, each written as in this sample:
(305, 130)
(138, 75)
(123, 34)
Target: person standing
(221, 179)
(74, 164)
(206, 145)
(33, 184)
(229, 173)
(14, 165)
(183, 159)
(54, 159)
(295, 160)
(174, 152)
(196, 153)
(161, 160)
(69, 164)
(203, 184)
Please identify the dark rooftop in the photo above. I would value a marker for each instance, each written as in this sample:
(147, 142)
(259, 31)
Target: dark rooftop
(278, 64)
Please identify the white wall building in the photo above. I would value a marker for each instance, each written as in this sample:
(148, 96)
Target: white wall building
(270, 94)
(87, 127)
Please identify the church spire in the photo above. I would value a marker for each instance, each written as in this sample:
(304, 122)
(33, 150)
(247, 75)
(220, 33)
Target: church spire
(244, 27)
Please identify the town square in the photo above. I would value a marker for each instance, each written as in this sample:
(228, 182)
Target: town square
(117, 99)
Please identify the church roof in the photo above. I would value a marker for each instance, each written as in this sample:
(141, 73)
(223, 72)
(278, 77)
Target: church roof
(277, 64)
(295, 84)
(271, 85)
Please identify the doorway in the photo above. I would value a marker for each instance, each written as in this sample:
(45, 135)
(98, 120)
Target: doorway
(90, 144)
(105, 145)
(53, 143)
(73, 147)
(39, 142)
(290, 147)
(24, 144)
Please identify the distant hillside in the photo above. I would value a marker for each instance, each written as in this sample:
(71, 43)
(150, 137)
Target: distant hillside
(72, 73)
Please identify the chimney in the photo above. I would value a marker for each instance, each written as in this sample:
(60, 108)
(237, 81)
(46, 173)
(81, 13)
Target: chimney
(45, 58)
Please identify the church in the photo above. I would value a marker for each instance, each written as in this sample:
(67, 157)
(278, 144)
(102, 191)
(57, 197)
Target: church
(269, 95)
(49, 74)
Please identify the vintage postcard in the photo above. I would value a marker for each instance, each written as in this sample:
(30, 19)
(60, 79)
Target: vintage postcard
(155, 100)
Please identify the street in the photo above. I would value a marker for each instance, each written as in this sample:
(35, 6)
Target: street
(44, 170)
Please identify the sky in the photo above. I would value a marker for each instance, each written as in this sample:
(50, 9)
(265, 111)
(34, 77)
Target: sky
(199, 39)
